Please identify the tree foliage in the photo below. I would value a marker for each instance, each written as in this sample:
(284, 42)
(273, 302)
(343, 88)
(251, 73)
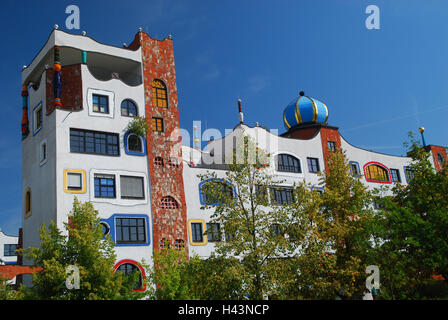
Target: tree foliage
(83, 246)
(412, 229)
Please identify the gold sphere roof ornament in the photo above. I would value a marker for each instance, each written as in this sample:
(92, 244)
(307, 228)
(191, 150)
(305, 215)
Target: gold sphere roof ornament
(421, 129)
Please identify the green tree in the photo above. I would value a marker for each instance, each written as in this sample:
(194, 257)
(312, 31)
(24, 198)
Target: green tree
(334, 257)
(412, 229)
(6, 291)
(85, 247)
(168, 275)
(257, 234)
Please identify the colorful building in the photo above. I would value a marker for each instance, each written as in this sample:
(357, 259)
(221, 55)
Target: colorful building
(79, 97)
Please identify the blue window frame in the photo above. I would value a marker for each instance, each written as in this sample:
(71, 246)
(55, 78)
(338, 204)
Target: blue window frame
(104, 186)
(134, 145)
(355, 169)
(128, 229)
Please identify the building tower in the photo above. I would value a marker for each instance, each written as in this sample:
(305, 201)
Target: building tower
(163, 140)
(78, 99)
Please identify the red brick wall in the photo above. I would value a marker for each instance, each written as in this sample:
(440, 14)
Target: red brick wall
(435, 150)
(329, 134)
(71, 89)
(158, 63)
(304, 134)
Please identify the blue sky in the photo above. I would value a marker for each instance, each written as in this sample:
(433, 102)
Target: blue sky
(377, 84)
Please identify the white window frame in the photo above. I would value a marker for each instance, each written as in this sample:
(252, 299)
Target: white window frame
(111, 103)
(37, 108)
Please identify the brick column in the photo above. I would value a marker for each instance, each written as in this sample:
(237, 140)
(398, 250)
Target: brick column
(158, 63)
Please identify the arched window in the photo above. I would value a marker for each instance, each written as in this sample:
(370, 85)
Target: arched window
(376, 173)
(158, 161)
(129, 108)
(128, 268)
(440, 158)
(287, 163)
(135, 143)
(164, 243)
(159, 94)
(179, 244)
(169, 203)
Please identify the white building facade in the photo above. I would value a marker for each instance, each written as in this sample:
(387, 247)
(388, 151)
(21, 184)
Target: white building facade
(78, 98)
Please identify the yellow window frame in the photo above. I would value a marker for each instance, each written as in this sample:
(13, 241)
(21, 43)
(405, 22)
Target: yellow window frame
(83, 180)
(190, 234)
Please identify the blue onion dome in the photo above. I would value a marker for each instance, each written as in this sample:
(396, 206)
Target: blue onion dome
(304, 110)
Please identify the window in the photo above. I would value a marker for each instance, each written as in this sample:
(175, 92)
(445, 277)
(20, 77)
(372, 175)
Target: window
(173, 163)
(130, 230)
(159, 94)
(354, 169)
(169, 203)
(378, 204)
(196, 232)
(10, 250)
(213, 232)
(74, 181)
(43, 152)
(135, 143)
(220, 188)
(282, 195)
(95, 142)
(313, 165)
(331, 146)
(37, 118)
(261, 193)
(105, 228)
(157, 124)
(295, 233)
(100, 103)
(158, 161)
(28, 203)
(104, 186)
(129, 268)
(409, 173)
(128, 108)
(395, 175)
(132, 187)
(179, 244)
(288, 163)
(440, 159)
(276, 230)
(164, 244)
(376, 173)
